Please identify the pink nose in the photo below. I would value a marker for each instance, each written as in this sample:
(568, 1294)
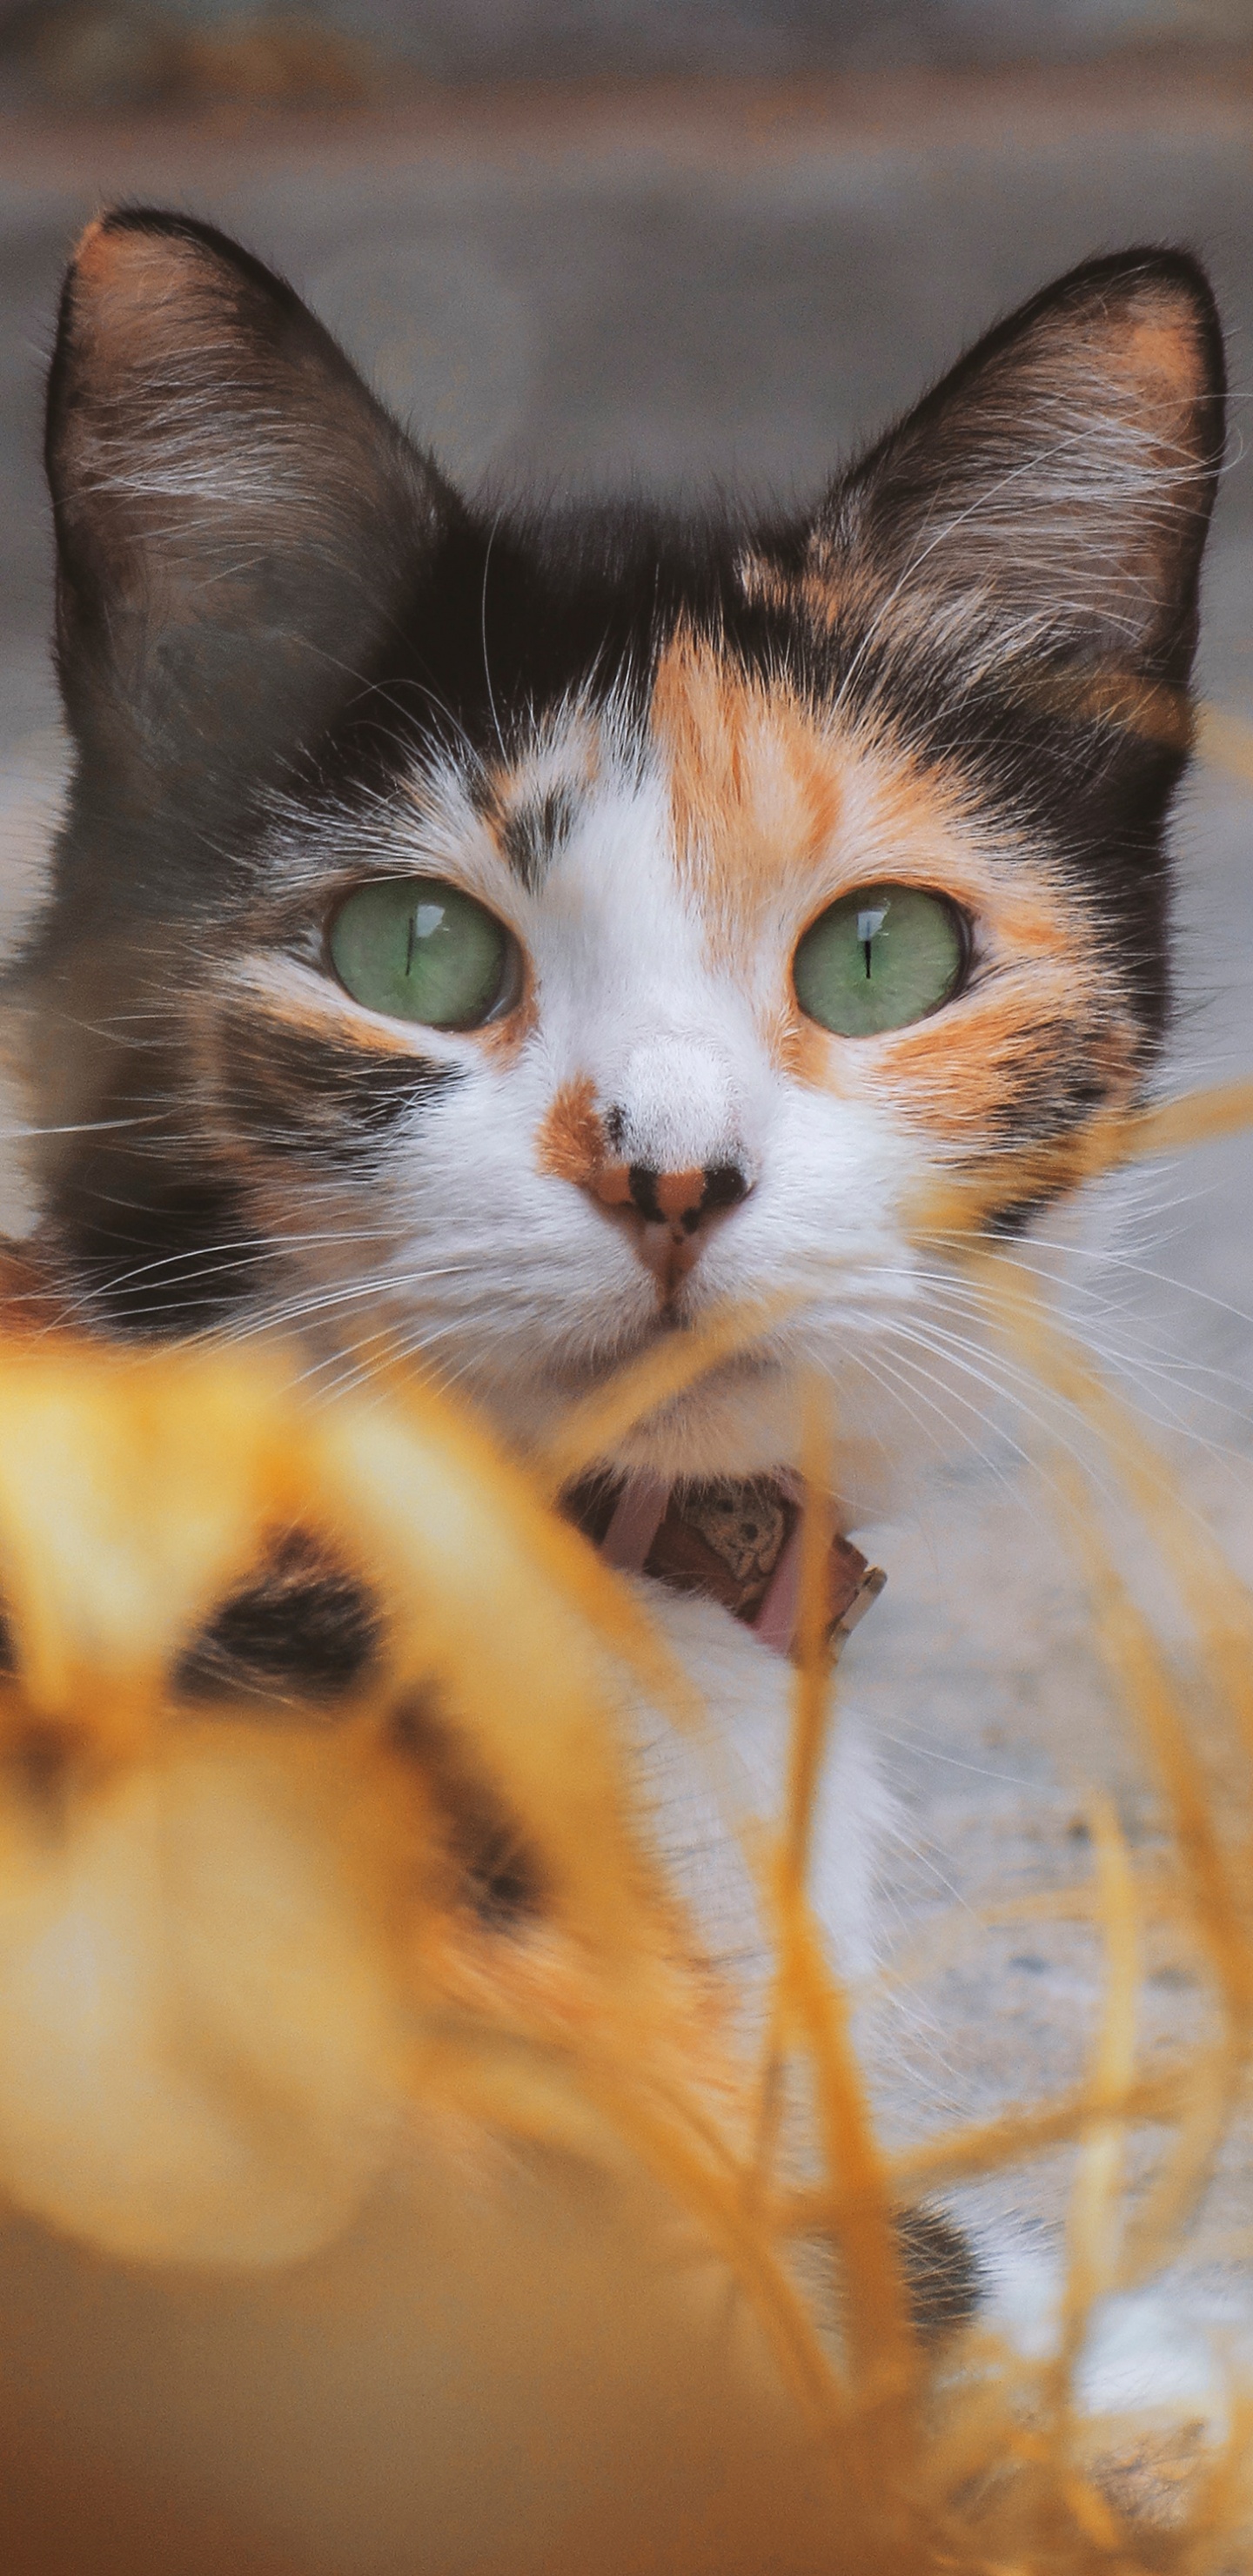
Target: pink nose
(675, 1199)
(667, 1212)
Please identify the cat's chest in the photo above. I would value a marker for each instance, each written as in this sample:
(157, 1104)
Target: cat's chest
(716, 1788)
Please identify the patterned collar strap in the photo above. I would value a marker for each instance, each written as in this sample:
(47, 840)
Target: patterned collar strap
(733, 1540)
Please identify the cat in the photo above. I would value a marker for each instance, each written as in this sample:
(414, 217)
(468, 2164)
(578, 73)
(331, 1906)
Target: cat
(510, 938)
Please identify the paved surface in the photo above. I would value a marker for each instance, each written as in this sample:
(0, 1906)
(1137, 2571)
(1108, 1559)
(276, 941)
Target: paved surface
(739, 285)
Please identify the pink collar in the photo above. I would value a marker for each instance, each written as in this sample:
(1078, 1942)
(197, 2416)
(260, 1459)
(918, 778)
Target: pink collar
(732, 1540)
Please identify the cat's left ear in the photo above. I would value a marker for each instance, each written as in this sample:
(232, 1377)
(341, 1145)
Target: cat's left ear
(239, 523)
(1050, 498)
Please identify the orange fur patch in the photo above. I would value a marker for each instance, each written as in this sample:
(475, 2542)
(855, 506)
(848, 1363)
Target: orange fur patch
(974, 1076)
(969, 1075)
(679, 1192)
(503, 1040)
(818, 590)
(755, 790)
(775, 818)
(571, 1141)
(1162, 351)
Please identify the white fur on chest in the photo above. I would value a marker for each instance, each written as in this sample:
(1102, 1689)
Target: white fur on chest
(701, 1792)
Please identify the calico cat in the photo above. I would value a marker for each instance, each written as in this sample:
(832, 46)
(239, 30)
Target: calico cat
(508, 938)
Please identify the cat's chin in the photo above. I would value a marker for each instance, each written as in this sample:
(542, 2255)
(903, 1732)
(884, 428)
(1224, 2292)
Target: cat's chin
(742, 1419)
(739, 1420)
(745, 1420)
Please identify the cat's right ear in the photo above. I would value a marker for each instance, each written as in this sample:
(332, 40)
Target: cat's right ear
(238, 521)
(1048, 501)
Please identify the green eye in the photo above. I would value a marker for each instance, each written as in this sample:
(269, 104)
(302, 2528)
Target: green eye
(424, 951)
(878, 959)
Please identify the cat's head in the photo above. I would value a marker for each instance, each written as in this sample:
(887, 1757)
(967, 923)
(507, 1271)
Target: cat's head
(519, 936)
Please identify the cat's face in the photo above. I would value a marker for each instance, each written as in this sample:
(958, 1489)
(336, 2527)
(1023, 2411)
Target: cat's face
(646, 1122)
(515, 942)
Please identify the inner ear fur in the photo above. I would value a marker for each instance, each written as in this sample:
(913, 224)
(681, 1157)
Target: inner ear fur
(1051, 496)
(237, 519)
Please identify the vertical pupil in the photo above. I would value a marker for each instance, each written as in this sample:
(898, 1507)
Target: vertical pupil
(869, 925)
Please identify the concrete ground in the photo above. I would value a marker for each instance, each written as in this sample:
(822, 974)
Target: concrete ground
(668, 287)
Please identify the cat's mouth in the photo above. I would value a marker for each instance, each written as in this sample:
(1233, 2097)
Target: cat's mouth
(569, 1375)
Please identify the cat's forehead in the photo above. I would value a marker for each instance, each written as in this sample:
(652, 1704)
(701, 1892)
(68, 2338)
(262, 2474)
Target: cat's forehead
(748, 793)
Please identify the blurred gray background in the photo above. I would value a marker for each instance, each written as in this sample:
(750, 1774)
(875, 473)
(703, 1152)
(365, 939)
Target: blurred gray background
(124, 48)
(663, 245)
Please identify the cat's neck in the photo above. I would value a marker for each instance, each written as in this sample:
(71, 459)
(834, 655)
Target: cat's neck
(731, 1540)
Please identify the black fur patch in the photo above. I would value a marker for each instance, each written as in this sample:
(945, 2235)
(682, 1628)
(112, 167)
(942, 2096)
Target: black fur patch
(295, 1092)
(153, 1248)
(303, 1631)
(533, 831)
(942, 2276)
(503, 1881)
(1053, 1084)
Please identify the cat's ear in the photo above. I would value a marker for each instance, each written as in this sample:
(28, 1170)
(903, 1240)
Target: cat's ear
(1050, 497)
(237, 519)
